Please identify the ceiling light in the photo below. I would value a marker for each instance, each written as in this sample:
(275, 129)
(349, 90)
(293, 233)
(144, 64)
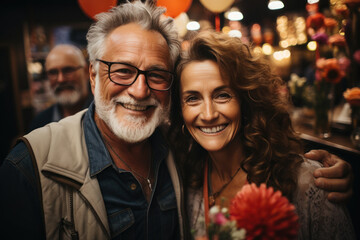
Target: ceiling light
(193, 26)
(312, 1)
(275, 4)
(235, 33)
(234, 14)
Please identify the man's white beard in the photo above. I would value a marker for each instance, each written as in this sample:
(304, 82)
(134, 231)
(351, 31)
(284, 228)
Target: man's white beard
(129, 128)
(68, 98)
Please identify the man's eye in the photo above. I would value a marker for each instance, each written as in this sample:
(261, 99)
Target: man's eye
(124, 71)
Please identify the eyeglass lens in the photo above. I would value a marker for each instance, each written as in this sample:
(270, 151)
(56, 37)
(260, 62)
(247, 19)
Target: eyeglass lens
(126, 75)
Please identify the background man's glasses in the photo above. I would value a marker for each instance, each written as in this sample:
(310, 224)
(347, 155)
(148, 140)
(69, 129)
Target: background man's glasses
(125, 74)
(66, 71)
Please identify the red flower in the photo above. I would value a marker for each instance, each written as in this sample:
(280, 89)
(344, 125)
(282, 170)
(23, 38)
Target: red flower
(263, 213)
(337, 40)
(315, 21)
(329, 70)
(332, 72)
(330, 23)
(312, 8)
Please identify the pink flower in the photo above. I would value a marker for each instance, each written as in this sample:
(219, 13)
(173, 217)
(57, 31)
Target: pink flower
(263, 213)
(356, 56)
(220, 219)
(320, 37)
(344, 64)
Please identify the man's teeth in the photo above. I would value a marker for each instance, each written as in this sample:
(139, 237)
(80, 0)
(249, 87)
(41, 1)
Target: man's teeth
(134, 107)
(213, 129)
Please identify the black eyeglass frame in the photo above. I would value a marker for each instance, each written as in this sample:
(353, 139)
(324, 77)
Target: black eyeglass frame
(137, 75)
(54, 73)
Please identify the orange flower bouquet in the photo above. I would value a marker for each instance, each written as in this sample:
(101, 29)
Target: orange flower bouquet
(352, 96)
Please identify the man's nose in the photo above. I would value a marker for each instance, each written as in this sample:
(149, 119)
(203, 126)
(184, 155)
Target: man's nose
(139, 89)
(61, 77)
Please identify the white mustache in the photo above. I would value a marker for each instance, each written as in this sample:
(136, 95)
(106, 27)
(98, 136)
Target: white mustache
(126, 100)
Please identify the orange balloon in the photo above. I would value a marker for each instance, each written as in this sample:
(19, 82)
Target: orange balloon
(93, 7)
(174, 8)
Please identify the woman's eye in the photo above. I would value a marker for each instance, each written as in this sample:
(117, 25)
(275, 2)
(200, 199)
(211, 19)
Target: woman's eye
(191, 99)
(223, 97)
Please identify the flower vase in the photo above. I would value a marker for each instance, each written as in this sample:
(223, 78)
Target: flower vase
(355, 121)
(323, 122)
(324, 102)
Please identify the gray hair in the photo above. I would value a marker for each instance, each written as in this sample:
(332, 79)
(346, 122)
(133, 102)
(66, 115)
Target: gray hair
(147, 15)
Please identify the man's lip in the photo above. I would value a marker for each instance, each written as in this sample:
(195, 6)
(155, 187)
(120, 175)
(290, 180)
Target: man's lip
(136, 107)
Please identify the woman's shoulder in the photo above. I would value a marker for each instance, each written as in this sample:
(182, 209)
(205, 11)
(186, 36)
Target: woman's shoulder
(306, 188)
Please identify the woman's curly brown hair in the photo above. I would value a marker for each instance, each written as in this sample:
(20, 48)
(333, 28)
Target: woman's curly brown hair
(270, 145)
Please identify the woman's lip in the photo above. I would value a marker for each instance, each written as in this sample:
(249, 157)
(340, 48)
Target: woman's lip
(213, 129)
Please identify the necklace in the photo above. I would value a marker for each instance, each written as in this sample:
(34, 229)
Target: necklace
(147, 179)
(213, 196)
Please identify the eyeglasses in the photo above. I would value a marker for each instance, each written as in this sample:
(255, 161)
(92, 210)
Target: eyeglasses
(66, 71)
(125, 74)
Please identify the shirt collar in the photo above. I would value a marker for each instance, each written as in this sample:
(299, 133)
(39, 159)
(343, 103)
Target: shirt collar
(57, 115)
(99, 157)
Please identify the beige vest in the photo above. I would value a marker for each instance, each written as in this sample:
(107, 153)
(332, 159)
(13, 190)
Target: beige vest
(69, 195)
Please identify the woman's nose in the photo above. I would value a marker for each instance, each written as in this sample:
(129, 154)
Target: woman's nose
(209, 111)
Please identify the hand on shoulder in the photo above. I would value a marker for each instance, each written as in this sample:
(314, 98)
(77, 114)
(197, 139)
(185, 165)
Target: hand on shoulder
(335, 177)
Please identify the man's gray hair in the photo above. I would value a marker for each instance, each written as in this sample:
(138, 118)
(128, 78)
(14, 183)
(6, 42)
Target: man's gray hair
(147, 15)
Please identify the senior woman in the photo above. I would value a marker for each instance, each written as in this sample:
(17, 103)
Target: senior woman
(236, 129)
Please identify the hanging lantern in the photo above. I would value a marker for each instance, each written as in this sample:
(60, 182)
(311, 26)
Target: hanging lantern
(217, 6)
(93, 7)
(174, 8)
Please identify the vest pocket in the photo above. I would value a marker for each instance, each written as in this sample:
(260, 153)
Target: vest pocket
(167, 199)
(120, 221)
(169, 215)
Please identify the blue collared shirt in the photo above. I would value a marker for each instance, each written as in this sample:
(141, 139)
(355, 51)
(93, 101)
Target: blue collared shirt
(130, 215)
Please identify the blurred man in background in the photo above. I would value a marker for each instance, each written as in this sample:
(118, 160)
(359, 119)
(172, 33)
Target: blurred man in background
(67, 72)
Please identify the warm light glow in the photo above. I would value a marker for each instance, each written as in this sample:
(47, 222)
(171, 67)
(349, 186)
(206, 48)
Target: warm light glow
(226, 29)
(235, 33)
(312, 1)
(267, 49)
(275, 4)
(311, 46)
(35, 67)
(257, 50)
(284, 43)
(281, 55)
(193, 26)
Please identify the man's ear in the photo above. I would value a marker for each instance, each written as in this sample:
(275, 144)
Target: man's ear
(92, 75)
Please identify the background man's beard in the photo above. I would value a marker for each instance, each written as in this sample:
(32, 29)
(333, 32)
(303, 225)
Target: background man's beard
(129, 128)
(67, 98)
